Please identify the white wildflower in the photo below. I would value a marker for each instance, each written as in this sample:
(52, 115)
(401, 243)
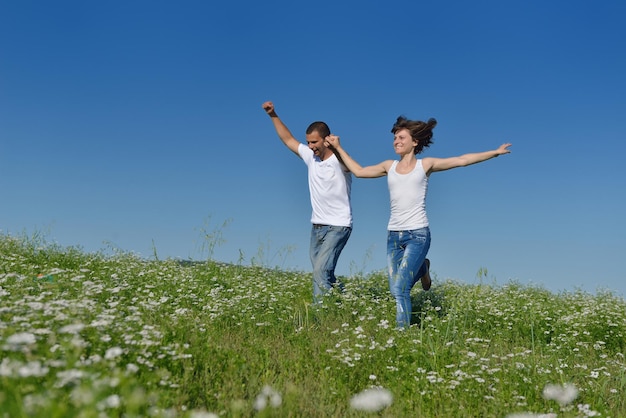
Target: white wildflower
(113, 352)
(78, 342)
(6, 367)
(268, 394)
(69, 376)
(202, 414)
(112, 402)
(586, 411)
(22, 338)
(81, 396)
(72, 329)
(132, 368)
(371, 400)
(564, 395)
(32, 368)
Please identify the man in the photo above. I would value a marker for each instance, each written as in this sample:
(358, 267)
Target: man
(329, 190)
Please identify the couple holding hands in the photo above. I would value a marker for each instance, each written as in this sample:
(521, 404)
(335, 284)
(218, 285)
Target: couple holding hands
(330, 170)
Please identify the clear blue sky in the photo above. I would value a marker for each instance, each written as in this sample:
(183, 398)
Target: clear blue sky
(135, 124)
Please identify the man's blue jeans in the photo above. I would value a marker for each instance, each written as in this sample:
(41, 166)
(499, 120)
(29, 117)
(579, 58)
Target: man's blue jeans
(406, 252)
(327, 242)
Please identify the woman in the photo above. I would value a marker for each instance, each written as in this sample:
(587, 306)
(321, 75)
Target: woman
(408, 237)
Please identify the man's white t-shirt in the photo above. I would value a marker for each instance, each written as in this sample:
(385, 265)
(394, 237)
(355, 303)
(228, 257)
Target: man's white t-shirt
(329, 188)
(407, 197)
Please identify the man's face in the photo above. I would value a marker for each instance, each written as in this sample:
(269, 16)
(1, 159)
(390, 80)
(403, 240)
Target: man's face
(316, 144)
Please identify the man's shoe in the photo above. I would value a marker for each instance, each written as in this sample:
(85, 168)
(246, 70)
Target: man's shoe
(425, 279)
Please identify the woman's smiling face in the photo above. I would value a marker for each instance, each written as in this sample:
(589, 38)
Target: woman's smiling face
(403, 143)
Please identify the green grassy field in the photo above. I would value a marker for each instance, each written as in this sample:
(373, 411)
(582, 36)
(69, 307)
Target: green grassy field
(89, 335)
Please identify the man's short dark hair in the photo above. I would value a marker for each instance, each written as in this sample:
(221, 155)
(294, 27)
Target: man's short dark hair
(320, 127)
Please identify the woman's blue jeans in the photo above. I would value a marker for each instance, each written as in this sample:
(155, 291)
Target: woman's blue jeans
(406, 252)
(327, 242)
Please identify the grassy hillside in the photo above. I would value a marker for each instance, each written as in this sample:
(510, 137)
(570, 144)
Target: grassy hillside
(89, 335)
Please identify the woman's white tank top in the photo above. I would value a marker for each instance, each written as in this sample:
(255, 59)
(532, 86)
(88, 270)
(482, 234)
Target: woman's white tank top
(407, 197)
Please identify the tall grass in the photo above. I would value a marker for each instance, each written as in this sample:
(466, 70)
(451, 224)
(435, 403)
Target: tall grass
(89, 335)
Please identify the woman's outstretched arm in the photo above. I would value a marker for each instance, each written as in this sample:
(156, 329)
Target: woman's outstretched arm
(371, 171)
(440, 164)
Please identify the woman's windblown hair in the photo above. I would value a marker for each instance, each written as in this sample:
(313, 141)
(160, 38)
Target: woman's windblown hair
(422, 132)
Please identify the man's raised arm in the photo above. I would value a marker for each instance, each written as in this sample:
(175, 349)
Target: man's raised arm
(281, 129)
